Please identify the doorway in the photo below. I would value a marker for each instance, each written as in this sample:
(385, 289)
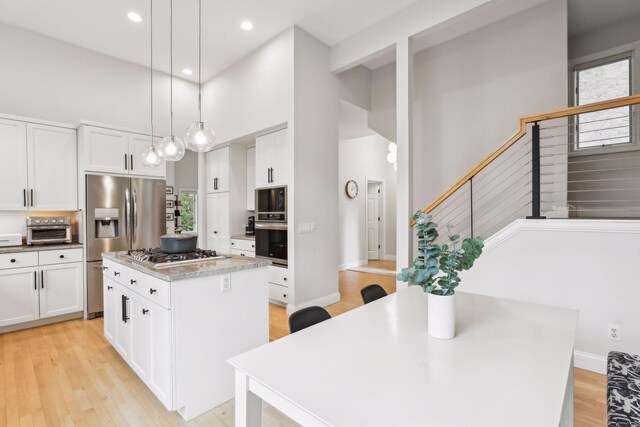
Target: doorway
(374, 212)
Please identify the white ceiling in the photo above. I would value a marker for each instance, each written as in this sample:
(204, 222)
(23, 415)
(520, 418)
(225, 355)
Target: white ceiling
(102, 26)
(587, 15)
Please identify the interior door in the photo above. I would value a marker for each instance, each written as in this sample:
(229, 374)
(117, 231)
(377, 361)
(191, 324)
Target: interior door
(137, 144)
(18, 295)
(61, 289)
(51, 153)
(13, 166)
(373, 220)
(148, 212)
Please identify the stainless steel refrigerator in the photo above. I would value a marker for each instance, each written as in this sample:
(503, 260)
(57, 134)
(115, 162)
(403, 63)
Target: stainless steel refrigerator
(121, 214)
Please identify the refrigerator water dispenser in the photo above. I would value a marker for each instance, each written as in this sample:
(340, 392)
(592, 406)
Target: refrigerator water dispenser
(106, 222)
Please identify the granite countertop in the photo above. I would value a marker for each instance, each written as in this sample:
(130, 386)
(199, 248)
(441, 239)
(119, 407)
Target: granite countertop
(34, 248)
(190, 271)
(243, 237)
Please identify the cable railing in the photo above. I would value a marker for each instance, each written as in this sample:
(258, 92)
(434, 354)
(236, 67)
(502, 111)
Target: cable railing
(579, 162)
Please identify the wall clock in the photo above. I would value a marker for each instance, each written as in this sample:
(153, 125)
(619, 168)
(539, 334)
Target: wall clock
(351, 189)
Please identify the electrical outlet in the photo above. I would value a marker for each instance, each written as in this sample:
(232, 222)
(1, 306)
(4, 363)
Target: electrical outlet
(614, 332)
(225, 285)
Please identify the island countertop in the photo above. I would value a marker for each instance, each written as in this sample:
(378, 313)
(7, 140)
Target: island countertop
(189, 271)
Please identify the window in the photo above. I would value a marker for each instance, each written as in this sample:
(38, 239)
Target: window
(599, 81)
(189, 210)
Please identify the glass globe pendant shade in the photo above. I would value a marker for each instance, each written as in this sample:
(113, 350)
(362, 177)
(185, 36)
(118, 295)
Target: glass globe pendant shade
(392, 157)
(151, 157)
(199, 138)
(171, 148)
(393, 147)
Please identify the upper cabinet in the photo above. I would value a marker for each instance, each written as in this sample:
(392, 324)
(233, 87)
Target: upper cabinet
(114, 151)
(251, 179)
(13, 165)
(52, 166)
(38, 167)
(217, 163)
(272, 162)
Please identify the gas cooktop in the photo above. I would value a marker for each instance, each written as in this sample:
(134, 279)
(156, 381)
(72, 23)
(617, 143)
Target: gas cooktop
(155, 258)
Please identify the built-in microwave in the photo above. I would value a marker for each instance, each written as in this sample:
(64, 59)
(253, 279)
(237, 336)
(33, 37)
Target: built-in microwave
(271, 242)
(271, 205)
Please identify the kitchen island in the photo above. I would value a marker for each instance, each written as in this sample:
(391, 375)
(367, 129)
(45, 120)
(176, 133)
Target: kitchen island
(176, 326)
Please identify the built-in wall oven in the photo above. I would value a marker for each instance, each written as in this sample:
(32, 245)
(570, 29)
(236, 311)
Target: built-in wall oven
(271, 225)
(271, 242)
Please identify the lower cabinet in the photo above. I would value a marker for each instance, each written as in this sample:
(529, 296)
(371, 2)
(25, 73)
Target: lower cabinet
(19, 290)
(60, 289)
(140, 330)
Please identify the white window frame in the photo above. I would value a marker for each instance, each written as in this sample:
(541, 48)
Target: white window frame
(631, 51)
(195, 211)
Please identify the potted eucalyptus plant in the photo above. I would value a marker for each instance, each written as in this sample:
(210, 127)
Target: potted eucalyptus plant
(436, 268)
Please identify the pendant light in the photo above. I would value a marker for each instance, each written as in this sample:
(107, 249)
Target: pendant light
(150, 155)
(199, 136)
(171, 147)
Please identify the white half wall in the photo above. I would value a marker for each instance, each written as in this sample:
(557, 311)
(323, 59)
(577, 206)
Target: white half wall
(360, 159)
(48, 79)
(590, 266)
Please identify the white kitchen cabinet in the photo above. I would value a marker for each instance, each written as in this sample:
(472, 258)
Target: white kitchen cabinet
(160, 377)
(280, 284)
(218, 230)
(217, 163)
(115, 151)
(140, 328)
(110, 292)
(18, 295)
(272, 159)
(52, 168)
(105, 150)
(251, 179)
(61, 289)
(123, 322)
(13, 165)
(137, 144)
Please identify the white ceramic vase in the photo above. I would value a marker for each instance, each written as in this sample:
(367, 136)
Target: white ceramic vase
(441, 316)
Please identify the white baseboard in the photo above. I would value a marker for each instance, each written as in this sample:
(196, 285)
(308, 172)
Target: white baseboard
(389, 258)
(353, 264)
(590, 362)
(322, 302)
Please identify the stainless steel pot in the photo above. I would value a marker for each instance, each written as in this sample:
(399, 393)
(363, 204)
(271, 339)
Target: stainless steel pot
(178, 243)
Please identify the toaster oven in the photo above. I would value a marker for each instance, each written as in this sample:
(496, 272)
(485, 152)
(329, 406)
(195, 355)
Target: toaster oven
(46, 230)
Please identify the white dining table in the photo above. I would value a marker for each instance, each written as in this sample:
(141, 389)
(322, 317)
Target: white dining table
(510, 364)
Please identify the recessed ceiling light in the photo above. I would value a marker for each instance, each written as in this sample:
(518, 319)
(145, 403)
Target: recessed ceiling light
(187, 71)
(134, 17)
(247, 26)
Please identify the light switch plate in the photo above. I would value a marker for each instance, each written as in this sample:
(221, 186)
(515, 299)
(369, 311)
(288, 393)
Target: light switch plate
(308, 227)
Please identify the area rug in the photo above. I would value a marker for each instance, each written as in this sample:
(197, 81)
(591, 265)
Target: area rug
(373, 270)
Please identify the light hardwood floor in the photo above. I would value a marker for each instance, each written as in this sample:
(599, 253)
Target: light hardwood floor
(67, 374)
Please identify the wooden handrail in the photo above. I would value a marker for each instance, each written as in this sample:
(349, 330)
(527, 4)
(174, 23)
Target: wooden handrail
(524, 121)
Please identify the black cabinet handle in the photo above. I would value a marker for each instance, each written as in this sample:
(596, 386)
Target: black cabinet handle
(109, 288)
(285, 279)
(253, 246)
(124, 309)
(232, 243)
(24, 197)
(241, 254)
(152, 291)
(13, 260)
(215, 232)
(125, 162)
(105, 268)
(133, 281)
(116, 273)
(35, 280)
(61, 256)
(41, 279)
(144, 311)
(32, 197)
(284, 295)
(131, 161)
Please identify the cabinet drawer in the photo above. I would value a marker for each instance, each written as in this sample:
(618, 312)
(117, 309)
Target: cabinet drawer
(243, 245)
(279, 276)
(60, 256)
(115, 271)
(18, 259)
(238, 252)
(156, 290)
(278, 293)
